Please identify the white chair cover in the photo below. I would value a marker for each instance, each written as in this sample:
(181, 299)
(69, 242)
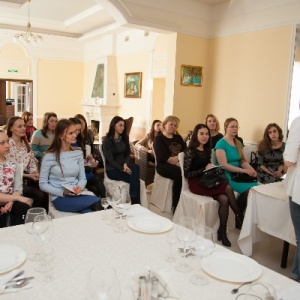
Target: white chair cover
(203, 209)
(162, 192)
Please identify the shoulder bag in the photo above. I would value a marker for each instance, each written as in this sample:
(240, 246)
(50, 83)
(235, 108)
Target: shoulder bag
(212, 178)
(242, 177)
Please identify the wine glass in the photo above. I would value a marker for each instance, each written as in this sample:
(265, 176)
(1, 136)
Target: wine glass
(102, 284)
(186, 234)
(113, 195)
(47, 265)
(105, 204)
(30, 215)
(204, 245)
(121, 207)
(172, 240)
(260, 290)
(42, 229)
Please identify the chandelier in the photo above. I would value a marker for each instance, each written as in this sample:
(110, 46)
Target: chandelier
(28, 37)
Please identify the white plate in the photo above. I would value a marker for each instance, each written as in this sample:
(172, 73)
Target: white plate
(10, 257)
(149, 223)
(230, 266)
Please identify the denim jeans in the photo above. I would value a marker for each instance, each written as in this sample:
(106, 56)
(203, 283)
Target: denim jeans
(133, 180)
(295, 215)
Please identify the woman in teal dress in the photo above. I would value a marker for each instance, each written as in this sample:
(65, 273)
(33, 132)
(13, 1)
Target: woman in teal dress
(230, 155)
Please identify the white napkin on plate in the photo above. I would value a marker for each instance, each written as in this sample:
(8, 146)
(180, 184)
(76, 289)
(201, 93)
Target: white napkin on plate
(6, 278)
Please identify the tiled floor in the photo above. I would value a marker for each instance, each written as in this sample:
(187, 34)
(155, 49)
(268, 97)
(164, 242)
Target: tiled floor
(267, 252)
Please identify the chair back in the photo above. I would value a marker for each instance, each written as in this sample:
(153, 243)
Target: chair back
(185, 185)
(129, 123)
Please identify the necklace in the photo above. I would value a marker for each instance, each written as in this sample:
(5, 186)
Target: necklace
(118, 139)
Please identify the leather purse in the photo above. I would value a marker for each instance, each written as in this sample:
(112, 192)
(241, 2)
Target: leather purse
(242, 177)
(212, 178)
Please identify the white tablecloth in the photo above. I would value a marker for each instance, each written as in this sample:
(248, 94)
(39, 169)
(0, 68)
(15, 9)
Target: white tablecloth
(84, 241)
(267, 212)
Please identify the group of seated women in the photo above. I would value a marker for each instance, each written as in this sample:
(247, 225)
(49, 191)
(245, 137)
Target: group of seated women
(60, 147)
(228, 149)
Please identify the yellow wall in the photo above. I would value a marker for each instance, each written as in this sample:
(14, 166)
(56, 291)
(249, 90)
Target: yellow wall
(189, 101)
(60, 87)
(158, 97)
(248, 79)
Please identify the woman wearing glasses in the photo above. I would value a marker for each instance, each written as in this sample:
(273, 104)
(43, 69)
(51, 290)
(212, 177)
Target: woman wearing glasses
(229, 152)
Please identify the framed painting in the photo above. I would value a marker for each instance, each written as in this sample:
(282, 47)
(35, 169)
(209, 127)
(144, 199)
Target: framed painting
(191, 75)
(133, 85)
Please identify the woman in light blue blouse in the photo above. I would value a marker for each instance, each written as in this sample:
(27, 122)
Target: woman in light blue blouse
(63, 166)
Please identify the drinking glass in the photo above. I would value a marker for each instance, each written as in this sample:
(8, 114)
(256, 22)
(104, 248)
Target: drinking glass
(30, 215)
(47, 264)
(259, 290)
(121, 207)
(172, 240)
(42, 229)
(102, 284)
(113, 195)
(204, 245)
(186, 234)
(105, 204)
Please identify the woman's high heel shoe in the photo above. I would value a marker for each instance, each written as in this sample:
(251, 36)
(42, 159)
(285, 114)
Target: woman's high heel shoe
(222, 236)
(239, 222)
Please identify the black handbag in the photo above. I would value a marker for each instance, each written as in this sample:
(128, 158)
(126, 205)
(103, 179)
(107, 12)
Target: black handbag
(212, 178)
(242, 177)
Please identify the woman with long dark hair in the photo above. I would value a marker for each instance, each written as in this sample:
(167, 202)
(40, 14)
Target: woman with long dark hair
(42, 138)
(229, 152)
(147, 142)
(196, 160)
(270, 155)
(62, 172)
(116, 150)
(27, 117)
(21, 152)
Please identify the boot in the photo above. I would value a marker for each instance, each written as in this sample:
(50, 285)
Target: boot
(239, 221)
(222, 236)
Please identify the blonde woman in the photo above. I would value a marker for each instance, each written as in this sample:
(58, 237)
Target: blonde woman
(230, 155)
(167, 146)
(213, 124)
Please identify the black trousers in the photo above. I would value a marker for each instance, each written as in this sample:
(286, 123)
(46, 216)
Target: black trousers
(95, 185)
(172, 172)
(16, 215)
(40, 198)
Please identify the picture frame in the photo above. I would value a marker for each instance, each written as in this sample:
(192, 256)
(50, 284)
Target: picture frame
(133, 85)
(191, 75)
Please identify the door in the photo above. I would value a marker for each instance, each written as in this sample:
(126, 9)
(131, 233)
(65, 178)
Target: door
(21, 96)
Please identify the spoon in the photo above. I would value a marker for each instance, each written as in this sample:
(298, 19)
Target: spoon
(234, 291)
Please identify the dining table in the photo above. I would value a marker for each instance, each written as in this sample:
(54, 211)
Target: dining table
(267, 213)
(84, 241)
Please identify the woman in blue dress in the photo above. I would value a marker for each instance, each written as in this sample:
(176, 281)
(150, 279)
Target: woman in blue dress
(229, 154)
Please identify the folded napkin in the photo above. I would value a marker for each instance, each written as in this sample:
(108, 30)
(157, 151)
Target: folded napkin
(168, 283)
(6, 278)
(290, 293)
(166, 279)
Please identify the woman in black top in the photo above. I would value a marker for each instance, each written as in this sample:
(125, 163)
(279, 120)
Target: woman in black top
(167, 146)
(213, 124)
(116, 150)
(196, 160)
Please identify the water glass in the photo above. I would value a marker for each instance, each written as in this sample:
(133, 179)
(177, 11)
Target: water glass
(113, 196)
(102, 284)
(30, 215)
(171, 240)
(204, 245)
(105, 205)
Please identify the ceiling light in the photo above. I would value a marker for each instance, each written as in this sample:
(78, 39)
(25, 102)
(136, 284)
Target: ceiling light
(28, 37)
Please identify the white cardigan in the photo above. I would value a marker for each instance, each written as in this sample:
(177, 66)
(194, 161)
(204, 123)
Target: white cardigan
(292, 154)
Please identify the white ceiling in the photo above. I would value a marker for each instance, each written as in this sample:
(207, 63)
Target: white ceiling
(73, 18)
